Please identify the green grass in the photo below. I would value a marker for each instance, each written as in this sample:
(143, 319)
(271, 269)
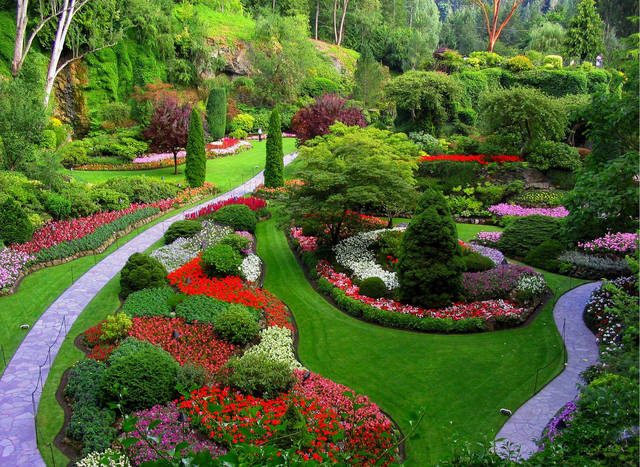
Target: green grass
(462, 381)
(225, 172)
(226, 27)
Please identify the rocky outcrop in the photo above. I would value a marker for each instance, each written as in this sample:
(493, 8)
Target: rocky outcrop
(71, 105)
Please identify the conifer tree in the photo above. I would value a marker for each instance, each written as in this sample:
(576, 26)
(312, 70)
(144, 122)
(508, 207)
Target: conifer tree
(369, 78)
(274, 165)
(217, 113)
(584, 37)
(196, 169)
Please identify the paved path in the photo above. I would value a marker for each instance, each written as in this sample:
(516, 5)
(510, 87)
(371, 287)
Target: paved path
(526, 425)
(18, 445)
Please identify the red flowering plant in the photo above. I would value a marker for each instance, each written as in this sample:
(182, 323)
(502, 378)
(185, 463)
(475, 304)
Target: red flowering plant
(254, 204)
(483, 159)
(100, 350)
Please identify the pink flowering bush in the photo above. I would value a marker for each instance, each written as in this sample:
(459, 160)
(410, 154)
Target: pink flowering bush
(619, 244)
(11, 264)
(307, 243)
(488, 238)
(504, 209)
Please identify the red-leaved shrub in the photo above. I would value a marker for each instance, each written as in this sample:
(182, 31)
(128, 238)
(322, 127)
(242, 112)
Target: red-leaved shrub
(327, 109)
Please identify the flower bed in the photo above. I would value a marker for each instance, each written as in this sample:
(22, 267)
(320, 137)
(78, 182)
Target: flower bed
(504, 209)
(254, 204)
(488, 238)
(498, 282)
(494, 255)
(276, 343)
(265, 192)
(307, 243)
(483, 159)
(560, 421)
(12, 263)
(618, 244)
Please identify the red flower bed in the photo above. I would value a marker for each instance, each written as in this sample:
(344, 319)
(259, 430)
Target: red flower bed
(480, 158)
(197, 343)
(253, 203)
(225, 143)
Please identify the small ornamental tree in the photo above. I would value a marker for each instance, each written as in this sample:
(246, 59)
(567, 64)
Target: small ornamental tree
(584, 37)
(328, 109)
(169, 128)
(217, 113)
(274, 166)
(430, 265)
(196, 158)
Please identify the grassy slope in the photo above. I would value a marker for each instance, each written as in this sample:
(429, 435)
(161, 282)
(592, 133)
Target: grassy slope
(224, 172)
(227, 27)
(461, 380)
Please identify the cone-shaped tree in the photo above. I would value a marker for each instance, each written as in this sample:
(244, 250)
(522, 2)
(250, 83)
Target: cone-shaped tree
(274, 166)
(217, 113)
(430, 265)
(196, 158)
(584, 37)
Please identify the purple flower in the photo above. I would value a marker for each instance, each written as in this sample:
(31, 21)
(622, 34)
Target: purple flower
(504, 209)
(618, 243)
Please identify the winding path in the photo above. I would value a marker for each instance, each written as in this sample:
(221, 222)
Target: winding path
(18, 444)
(526, 425)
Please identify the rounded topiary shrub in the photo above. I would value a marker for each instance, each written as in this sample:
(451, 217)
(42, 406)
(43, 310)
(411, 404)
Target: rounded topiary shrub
(140, 375)
(373, 287)
(475, 262)
(256, 375)
(236, 325)
(545, 255)
(525, 233)
(221, 261)
(200, 308)
(185, 229)
(141, 272)
(236, 241)
(236, 216)
(15, 226)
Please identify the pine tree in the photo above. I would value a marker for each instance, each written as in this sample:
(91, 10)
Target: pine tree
(430, 265)
(274, 166)
(584, 37)
(196, 169)
(217, 113)
(368, 77)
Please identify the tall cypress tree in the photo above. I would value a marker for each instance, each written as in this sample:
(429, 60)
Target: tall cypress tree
(274, 165)
(584, 37)
(430, 265)
(368, 77)
(217, 113)
(196, 169)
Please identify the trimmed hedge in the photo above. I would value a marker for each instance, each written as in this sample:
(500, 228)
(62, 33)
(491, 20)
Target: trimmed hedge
(200, 308)
(523, 234)
(373, 287)
(258, 376)
(236, 325)
(141, 272)
(148, 302)
(236, 216)
(545, 255)
(221, 261)
(14, 223)
(178, 229)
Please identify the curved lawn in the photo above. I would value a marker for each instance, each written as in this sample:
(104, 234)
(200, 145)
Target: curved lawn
(462, 381)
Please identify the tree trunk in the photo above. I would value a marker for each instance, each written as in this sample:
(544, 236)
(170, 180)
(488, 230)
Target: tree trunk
(345, 4)
(335, 21)
(315, 36)
(175, 162)
(58, 44)
(21, 28)
(273, 5)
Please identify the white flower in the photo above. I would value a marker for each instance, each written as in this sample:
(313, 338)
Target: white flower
(251, 267)
(276, 343)
(95, 459)
(534, 285)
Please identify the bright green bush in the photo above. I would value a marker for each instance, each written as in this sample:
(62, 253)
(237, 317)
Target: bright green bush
(236, 241)
(475, 262)
(547, 155)
(556, 83)
(79, 194)
(49, 140)
(236, 216)
(115, 327)
(140, 377)
(58, 206)
(525, 233)
(200, 308)
(196, 159)
(15, 226)
(217, 113)
(373, 287)
(141, 189)
(258, 376)
(221, 261)
(73, 154)
(518, 63)
(184, 229)
(148, 302)
(238, 134)
(236, 325)
(553, 61)
(317, 86)
(174, 300)
(141, 272)
(109, 200)
(487, 59)
(243, 122)
(545, 255)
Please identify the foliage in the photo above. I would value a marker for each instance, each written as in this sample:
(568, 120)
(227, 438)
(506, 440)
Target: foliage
(475, 262)
(236, 325)
(256, 375)
(168, 130)
(216, 113)
(142, 377)
(115, 327)
(326, 110)
(236, 241)
(274, 165)
(424, 100)
(373, 287)
(243, 121)
(518, 63)
(430, 264)
(552, 155)
(545, 255)
(200, 308)
(181, 229)
(221, 260)
(525, 233)
(141, 272)
(584, 36)
(317, 86)
(236, 216)
(109, 200)
(15, 226)
(148, 302)
(369, 77)
(548, 38)
(141, 189)
(196, 158)
(73, 154)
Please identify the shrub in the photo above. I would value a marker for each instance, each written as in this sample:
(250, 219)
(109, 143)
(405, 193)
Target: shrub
(315, 120)
(73, 154)
(518, 63)
(487, 59)
(141, 189)
(553, 61)
(242, 122)
(551, 155)
(525, 233)
(468, 116)
(191, 377)
(236, 241)
(545, 255)
(591, 266)
(141, 377)
(317, 86)
(373, 287)
(115, 327)
(274, 165)
(184, 229)
(256, 375)
(236, 325)
(58, 206)
(236, 216)
(148, 302)
(430, 265)
(49, 140)
(217, 113)
(556, 83)
(429, 144)
(196, 158)
(221, 261)
(475, 262)
(80, 198)
(174, 300)
(109, 200)
(238, 134)
(141, 272)
(563, 179)
(200, 308)
(84, 382)
(15, 226)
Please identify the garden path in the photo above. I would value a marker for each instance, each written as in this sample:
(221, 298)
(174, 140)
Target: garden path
(22, 382)
(527, 423)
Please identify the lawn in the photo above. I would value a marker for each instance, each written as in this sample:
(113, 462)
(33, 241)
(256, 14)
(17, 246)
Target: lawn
(225, 172)
(462, 381)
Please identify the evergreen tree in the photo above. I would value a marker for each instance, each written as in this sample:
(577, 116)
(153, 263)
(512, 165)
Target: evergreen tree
(369, 78)
(217, 113)
(274, 166)
(584, 37)
(430, 265)
(196, 157)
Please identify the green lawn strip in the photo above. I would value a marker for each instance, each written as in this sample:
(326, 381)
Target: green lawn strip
(461, 380)
(225, 172)
(40, 289)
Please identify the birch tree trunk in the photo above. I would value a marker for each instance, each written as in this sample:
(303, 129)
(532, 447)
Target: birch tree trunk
(58, 44)
(315, 36)
(21, 29)
(345, 4)
(335, 21)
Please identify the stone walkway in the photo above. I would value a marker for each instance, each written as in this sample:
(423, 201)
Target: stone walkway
(527, 423)
(18, 446)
